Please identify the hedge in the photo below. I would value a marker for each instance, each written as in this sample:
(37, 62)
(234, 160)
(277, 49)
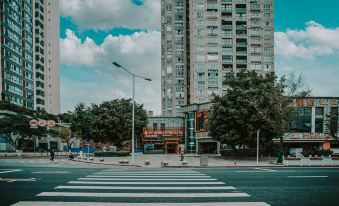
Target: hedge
(111, 153)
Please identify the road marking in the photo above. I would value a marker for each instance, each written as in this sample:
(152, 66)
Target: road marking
(269, 170)
(159, 176)
(146, 183)
(51, 172)
(144, 188)
(167, 195)
(17, 180)
(132, 179)
(307, 176)
(30, 203)
(10, 170)
(167, 172)
(155, 174)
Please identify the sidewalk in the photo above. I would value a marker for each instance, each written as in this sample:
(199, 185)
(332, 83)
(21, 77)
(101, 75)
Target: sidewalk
(174, 161)
(30, 154)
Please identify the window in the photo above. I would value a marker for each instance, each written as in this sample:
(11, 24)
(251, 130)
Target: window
(162, 126)
(302, 123)
(155, 126)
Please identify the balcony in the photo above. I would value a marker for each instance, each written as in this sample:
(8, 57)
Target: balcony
(255, 7)
(227, 27)
(241, 44)
(226, 9)
(240, 10)
(241, 53)
(241, 61)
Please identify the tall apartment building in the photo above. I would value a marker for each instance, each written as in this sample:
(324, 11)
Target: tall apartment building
(30, 54)
(203, 40)
(46, 51)
(17, 71)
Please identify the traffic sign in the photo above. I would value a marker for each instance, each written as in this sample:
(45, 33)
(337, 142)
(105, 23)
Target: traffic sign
(88, 142)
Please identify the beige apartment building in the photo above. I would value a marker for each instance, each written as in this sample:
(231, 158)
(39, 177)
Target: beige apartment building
(46, 23)
(203, 40)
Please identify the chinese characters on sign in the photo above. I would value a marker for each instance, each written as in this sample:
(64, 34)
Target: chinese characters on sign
(316, 102)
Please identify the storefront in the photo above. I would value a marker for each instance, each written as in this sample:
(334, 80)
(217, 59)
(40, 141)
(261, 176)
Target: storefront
(163, 135)
(314, 128)
(197, 137)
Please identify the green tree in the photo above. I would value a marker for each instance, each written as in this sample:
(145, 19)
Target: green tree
(113, 120)
(331, 123)
(82, 121)
(254, 102)
(18, 125)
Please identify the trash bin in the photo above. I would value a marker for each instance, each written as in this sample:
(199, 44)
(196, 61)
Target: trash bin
(203, 160)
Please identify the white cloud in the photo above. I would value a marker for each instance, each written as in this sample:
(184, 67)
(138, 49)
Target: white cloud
(315, 40)
(140, 53)
(108, 14)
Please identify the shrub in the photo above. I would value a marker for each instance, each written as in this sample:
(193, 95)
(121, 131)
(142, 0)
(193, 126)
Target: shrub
(111, 153)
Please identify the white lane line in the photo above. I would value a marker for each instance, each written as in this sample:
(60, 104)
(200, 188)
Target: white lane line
(51, 172)
(146, 183)
(132, 179)
(10, 170)
(144, 176)
(144, 188)
(90, 194)
(264, 169)
(155, 174)
(307, 176)
(251, 171)
(36, 203)
(171, 172)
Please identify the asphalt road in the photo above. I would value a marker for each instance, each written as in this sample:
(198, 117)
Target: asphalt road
(50, 185)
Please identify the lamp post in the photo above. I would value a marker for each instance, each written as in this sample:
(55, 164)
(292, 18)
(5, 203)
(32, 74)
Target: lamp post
(258, 146)
(133, 76)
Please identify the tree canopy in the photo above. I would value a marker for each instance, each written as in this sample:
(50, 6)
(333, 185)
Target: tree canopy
(254, 102)
(109, 121)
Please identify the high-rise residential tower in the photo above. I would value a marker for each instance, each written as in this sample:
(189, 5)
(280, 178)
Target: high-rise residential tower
(17, 71)
(203, 40)
(46, 51)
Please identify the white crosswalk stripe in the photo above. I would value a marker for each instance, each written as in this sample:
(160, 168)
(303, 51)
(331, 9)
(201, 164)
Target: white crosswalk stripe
(111, 184)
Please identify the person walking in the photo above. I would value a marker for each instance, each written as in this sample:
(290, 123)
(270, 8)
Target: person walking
(52, 156)
(182, 152)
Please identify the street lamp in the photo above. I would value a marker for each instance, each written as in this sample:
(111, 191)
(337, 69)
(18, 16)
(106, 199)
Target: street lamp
(133, 75)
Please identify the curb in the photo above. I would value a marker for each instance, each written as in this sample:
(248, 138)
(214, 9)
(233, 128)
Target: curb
(109, 164)
(251, 166)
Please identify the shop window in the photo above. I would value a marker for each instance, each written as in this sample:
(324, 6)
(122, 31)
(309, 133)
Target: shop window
(303, 121)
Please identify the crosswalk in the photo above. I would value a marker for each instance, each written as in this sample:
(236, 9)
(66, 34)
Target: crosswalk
(122, 187)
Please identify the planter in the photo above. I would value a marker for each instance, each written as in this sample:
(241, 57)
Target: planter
(292, 158)
(111, 153)
(316, 158)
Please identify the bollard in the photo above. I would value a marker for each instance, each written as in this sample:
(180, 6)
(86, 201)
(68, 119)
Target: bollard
(235, 162)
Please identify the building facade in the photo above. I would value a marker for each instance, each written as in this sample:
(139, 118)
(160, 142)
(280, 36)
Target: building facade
(46, 52)
(197, 138)
(30, 68)
(311, 129)
(314, 129)
(203, 40)
(163, 135)
(17, 69)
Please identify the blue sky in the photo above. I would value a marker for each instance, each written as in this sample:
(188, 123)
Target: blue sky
(94, 33)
